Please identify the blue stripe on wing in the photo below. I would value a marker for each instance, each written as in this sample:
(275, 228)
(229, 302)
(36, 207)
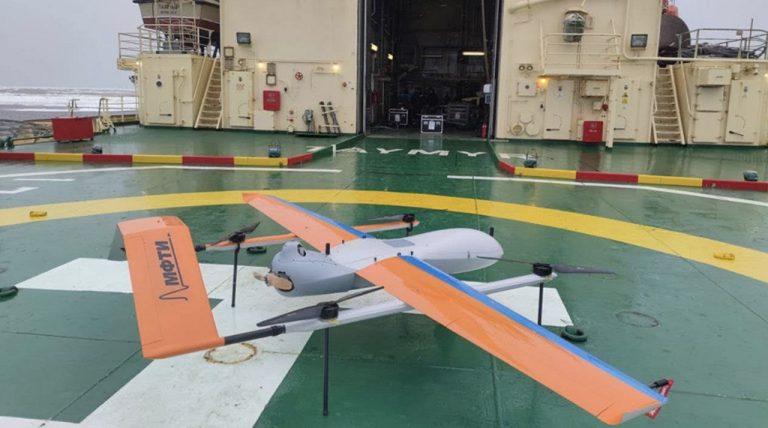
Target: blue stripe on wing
(350, 229)
(453, 282)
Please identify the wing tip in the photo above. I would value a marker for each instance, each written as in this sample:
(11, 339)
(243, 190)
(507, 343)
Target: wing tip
(249, 196)
(165, 350)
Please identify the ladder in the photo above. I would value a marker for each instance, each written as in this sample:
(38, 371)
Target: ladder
(104, 123)
(667, 124)
(328, 112)
(209, 115)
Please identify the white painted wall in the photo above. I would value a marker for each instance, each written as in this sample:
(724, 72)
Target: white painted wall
(733, 113)
(171, 88)
(523, 113)
(317, 38)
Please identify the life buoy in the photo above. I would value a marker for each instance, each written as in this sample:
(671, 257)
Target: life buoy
(572, 333)
(256, 250)
(299, 75)
(8, 292)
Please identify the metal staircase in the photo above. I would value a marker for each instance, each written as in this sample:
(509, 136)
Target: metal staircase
(209, 115)
(667, 124)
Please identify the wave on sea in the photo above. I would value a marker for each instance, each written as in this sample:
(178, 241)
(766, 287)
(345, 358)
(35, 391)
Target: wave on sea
(34, 103)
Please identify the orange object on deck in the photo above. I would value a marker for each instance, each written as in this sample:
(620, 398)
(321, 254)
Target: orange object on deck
(172, 307)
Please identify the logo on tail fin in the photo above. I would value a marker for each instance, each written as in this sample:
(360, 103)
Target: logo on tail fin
(166, 256)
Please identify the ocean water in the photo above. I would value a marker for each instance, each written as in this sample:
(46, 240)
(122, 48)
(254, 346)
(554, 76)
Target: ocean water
(18, 103)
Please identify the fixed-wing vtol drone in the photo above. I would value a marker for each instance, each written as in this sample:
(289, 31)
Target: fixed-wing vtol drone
(174, 315)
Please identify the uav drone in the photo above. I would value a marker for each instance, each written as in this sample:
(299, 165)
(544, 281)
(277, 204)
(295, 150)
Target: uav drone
(174, 316)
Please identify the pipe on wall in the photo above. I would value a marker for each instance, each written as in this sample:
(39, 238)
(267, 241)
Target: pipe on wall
(526, 4)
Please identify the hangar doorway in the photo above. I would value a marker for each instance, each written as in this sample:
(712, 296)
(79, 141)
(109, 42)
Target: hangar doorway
(428, 57)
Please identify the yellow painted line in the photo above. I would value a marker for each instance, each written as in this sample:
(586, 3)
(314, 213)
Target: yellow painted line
(58, 157)
(165, 159)
(563, 174)
(260, 161)
(748, 262)
(670, 181)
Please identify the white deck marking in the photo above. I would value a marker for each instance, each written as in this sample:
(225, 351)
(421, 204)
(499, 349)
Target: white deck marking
(613, 186)
(45, 179)
(513, 155)
(187, 390)
(384, 151)
(179, 167)
(17, 191)
(353, 150)
(7, 422)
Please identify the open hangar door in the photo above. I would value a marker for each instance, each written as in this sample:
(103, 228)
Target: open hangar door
(429, 57)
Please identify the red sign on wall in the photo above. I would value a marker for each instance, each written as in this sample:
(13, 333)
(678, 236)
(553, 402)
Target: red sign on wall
(271, 100)
(593, 131)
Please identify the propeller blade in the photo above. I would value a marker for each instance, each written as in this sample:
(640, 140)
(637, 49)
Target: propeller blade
(407, 217)
(561, 268)
(314, 311)
(249, 229)
(231, 237)
(362, 293)
(557, 267)
(498, 259)
(306, 313)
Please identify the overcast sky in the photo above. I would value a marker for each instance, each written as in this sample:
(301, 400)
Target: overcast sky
(73, 43)
(64, 43)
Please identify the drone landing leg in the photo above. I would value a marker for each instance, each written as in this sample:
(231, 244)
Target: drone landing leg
(234, 275)
(326, 346)
(541, 300)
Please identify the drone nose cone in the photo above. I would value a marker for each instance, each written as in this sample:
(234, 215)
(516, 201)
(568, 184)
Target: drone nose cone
(484, 245)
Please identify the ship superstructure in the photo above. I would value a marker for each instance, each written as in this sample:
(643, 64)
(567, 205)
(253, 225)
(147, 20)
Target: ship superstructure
(594, 71)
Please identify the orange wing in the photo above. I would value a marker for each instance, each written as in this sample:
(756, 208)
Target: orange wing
(172, 306)
(593, 385)
(311, 227)
(281, 239)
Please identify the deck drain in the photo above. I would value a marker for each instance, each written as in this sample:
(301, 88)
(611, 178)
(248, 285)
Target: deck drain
(231, 354)
(637, 319)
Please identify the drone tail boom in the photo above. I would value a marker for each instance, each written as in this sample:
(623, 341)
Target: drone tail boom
(172, 307)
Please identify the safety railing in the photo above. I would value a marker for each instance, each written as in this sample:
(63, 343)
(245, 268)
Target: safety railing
(120, 108)
(165, 36)
(595, 54)
(723, 43)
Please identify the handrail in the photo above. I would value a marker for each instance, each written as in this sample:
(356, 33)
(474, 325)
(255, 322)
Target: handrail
(741, 46)
(178, 35)
(655, 58)
(196, 92)
(595, 53)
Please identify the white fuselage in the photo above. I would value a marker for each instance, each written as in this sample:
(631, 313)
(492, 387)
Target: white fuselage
(451, 250)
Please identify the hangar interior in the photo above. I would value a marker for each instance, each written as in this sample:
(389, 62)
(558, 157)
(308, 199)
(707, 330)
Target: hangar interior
(429, 57)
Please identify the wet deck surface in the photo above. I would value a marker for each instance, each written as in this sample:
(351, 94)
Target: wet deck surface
(663, 315)
(141, 140)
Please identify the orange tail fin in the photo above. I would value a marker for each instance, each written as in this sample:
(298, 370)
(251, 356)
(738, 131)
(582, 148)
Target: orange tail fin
(172, 307)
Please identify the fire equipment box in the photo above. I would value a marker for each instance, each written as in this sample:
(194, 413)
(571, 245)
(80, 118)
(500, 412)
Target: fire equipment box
(432, 124)
(271, 100)
(593, 131)
(72, 128)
